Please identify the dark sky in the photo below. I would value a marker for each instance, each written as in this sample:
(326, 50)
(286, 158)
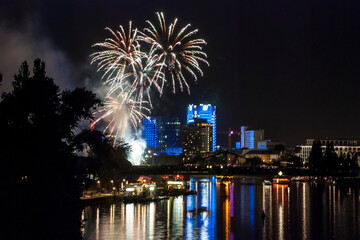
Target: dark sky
(289, 67)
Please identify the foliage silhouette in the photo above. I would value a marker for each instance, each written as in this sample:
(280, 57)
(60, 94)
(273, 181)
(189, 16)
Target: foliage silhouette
(316, 157)
(111, 160)
(37, 128)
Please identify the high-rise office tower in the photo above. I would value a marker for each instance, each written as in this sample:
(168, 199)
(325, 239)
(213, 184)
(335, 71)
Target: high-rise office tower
(163, 134)
(203, 111)
(197, 137)
(250, 138)
(243, 136)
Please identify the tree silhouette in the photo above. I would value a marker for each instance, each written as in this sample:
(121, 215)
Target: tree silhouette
(37, 128)
(316, 157)
(331, 160)
(111, 160)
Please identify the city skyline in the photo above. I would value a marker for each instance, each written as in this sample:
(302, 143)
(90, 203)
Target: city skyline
(180, 119)
(286, 67)
(236, 143)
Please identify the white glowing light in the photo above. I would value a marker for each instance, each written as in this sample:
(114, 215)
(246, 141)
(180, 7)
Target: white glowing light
(175, 183)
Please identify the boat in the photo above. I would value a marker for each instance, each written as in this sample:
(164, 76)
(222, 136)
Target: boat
(280, 180)
(267, 182)
(224, 179)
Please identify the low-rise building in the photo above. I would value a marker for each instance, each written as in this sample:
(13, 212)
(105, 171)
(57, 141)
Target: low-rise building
(341, 146)
(266, 156)
(268, 144)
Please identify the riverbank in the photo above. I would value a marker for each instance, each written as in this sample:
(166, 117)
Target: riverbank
(95, 198)
(229, 170)
(100, 198)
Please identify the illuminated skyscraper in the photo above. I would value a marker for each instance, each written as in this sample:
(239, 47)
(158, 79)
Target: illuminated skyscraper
(163, 134)
(151, 132)
(203, 111)
(197, 137)
(250, 138)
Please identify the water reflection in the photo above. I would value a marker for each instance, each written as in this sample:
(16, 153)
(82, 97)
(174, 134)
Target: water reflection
(233, 211)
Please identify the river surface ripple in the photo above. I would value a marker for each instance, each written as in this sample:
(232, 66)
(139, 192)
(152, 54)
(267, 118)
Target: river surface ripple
(300, 210)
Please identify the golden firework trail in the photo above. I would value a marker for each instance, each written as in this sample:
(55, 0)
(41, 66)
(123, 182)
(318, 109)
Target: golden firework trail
(119, 51)
(118, 111)
(143, 74)
(176, 50)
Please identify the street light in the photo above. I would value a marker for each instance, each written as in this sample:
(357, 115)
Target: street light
(112, 185)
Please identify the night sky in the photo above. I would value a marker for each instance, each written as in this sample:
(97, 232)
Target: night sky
(289, 67)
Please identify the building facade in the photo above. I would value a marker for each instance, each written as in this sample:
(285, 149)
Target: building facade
(268, 144)
(151, 132)
(341, 146)
(250, 138)
(197, 138)
(266, 156)
(203, 111)
(163, 134)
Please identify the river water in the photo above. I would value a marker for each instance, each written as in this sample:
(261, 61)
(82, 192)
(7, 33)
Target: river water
(300, 210)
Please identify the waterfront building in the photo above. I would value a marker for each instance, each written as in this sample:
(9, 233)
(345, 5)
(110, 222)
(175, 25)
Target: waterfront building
(341, 146)
(203, 111)
(163, 134)
(266, 156)
(268, 144)
(242, 140)
(250, 138)
(197, 137)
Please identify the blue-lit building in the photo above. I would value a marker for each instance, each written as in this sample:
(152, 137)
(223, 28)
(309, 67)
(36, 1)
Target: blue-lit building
(163, 134)
(151, 132)
(203, 111)
(250, 138)
(264, 145)
(269, 144)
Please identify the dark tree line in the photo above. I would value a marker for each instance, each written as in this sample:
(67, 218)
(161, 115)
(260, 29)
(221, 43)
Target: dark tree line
(331, 163)
(105, 160)
(41, 178)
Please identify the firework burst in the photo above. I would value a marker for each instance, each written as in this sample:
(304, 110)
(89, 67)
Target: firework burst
(120, 51)
(132, 72)
(177, 50)
(118, 111)
(143, 74)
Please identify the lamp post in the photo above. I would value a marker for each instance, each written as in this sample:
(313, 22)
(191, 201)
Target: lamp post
(112, 185)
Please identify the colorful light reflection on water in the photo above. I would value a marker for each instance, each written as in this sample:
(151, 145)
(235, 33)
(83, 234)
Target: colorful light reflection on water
(234, 211)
